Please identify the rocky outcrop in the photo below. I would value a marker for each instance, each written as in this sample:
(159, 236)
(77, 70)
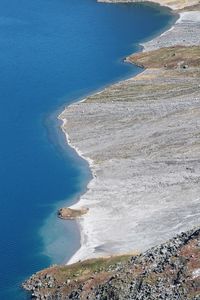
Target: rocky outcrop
(170, 271)
(71, 214)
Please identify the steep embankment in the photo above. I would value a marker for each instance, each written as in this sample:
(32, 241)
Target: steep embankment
(170, 271)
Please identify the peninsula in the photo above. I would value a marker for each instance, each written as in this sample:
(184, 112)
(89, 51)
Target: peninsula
(141, 138)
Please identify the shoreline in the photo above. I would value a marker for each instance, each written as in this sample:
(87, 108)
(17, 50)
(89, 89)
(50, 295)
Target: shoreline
(90, 166)
(127, 276)
(80, 255)
(90, 162)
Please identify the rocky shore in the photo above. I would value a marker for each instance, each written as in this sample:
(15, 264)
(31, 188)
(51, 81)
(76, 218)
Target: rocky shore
(170, 271)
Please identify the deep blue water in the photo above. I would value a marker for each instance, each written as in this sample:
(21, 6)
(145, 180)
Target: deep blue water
(52, 52)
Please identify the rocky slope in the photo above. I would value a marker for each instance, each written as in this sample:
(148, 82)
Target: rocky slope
(170, 271)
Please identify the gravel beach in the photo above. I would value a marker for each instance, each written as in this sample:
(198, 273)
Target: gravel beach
(141, 138)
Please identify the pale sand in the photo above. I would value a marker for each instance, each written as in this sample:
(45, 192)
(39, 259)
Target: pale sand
(141, 139)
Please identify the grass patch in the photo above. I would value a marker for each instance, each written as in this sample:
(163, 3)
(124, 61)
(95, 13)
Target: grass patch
(169, 58)
(91, 266)
(82, 270)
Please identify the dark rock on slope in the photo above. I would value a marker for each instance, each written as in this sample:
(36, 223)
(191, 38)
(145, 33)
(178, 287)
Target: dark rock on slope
(170, 271)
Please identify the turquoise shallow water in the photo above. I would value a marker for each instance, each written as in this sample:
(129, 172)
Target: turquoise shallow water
(52, 52)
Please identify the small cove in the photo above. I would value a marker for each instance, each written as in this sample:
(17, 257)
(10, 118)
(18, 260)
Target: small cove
(52, 53)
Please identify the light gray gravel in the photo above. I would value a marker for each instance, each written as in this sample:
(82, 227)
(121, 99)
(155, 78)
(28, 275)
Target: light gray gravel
(142, 136)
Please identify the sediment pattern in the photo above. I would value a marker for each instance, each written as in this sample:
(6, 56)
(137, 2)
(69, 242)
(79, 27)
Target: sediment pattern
(142, 136)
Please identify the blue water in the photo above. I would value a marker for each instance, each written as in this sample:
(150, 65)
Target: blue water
(51, 53)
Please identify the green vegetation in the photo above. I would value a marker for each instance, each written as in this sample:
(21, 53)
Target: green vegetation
(89, 267)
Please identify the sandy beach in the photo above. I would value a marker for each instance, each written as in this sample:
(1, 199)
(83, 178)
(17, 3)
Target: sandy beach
(141, 140)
